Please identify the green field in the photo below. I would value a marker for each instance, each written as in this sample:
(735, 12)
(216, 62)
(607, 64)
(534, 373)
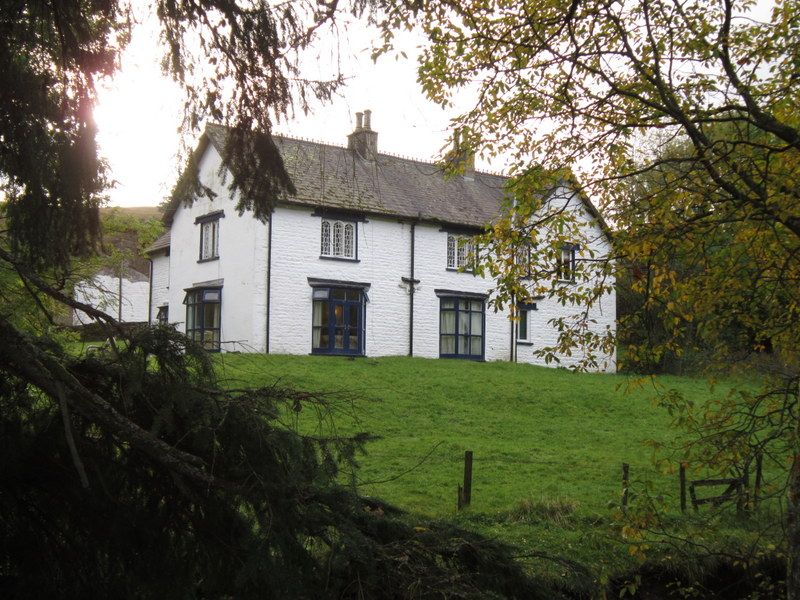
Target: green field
(548, 444)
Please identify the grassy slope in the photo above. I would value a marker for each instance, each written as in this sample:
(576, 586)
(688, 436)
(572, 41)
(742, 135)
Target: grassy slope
(545, 435)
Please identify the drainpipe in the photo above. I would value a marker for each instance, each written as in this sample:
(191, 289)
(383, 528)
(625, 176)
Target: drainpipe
(411, 290)
(513, 346)
(150, 295)
(269, 276)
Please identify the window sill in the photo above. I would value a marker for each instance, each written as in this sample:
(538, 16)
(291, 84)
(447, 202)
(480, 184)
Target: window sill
(524, 343)
(350, 354)
(342, 258)
(205, 260)
(463, 357)
(466, 271)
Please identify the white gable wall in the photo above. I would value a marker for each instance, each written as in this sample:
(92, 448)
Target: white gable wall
(241, 264)
(542, 333)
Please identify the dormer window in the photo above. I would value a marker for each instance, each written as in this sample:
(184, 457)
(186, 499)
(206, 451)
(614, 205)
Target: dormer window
(460, 252)
(338, 239)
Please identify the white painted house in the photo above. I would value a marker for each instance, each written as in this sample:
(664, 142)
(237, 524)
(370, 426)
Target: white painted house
(363, 260)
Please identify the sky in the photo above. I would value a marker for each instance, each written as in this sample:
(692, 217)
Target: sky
(138, 113)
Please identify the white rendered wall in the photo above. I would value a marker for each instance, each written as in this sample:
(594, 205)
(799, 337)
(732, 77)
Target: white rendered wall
(383, 258)
(431, 270)
(160, 284)
(102, 292)
(241, 263)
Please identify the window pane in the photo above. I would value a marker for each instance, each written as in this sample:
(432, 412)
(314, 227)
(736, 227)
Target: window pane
(477, 305)
(320, 294)
(316, 337)
(348, 241)
(477, 323)
(463, 323)
(338, 342)
(448, 321)
(353, 318)
(354, 339)
(448, 344)
(211, 296)
(448, 303)
(215, 236)
(337, 238)
(338, 294)
(189, 318)
(451, 252)
(522, 325)
(338, 314)
(325, 239)
(211, 316)
(320, 314)
(353, 295)
(462, 253)
(476, 342)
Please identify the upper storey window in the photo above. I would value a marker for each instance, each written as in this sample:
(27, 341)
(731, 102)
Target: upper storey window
(338, 239)
(460, 252)
(209, 235)
(566, 262)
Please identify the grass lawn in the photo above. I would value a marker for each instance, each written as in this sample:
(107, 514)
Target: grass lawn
(548, 443)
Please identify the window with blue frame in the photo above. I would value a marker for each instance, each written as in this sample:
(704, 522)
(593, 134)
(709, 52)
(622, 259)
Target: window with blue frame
(338, 321)
(461, 328)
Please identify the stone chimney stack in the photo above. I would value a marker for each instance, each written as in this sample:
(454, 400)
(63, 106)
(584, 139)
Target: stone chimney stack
(363, 141)
(462, 158)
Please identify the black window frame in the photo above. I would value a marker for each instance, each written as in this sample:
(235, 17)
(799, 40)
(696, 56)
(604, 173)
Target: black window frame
(524, 308)
(199, 329)
(162, 315)
(458, 311)
(471, 258)
(347, 304)
(345, 221)
(572, 249)
(212, 220)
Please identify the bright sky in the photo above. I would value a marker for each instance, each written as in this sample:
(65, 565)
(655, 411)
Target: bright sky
(139, 112)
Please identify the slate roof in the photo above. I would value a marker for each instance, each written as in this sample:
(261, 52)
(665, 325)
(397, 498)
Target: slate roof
(334, 177)
(161, 243)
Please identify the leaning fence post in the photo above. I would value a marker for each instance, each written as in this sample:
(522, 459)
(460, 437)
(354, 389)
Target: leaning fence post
(682, 476)
(467, 493)
(625, 469)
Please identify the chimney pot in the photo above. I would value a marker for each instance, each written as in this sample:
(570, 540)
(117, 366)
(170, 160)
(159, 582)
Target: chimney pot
(363, 141)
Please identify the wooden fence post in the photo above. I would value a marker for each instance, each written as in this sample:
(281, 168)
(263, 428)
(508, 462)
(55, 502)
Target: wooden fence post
(625, 469)
(759, 480)
(467, 493)
(682, 476)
